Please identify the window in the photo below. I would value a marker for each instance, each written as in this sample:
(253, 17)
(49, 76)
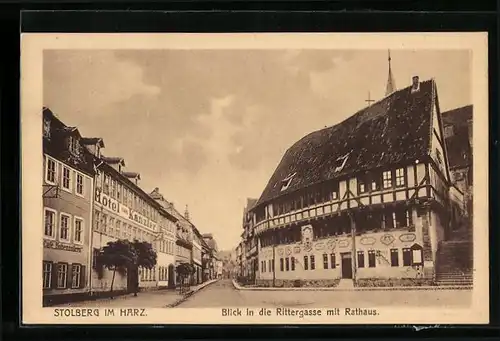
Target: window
(333, 262)
(287, 264)
(375, 184)
(417, 256)
(64, 227)
(387, 179)
(113, 188)
(79, 184)
(400, 177)
(47, 274)
(50, 223)
(406, 257)
(104, 223)
(78, 230)
(361, 186)
(73, 145)
(106, 184)
(371, 258)
(439, 157)
(306, 263)
(66, 180)
(62, 275)
(325, 261)
(292, 261)
(313, 265)
(111, 226)
(262, 265)
(118, 228)
(97, 220)
(394, 257)
(50, 175)
(76, 275)
(271, 265)
(361, 259)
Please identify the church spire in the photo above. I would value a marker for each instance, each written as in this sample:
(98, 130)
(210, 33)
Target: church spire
(186, 213)
(391, 84)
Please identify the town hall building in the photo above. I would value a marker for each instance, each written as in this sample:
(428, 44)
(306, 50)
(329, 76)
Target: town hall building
(369, 200)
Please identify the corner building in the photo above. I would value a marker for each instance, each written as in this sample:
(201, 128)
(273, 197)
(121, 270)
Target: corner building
(369, 200)
(67, 210)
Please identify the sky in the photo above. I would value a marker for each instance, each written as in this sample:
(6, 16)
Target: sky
(209, 127)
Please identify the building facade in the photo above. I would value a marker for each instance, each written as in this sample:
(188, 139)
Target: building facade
(122, 210)
(210, 258)
(197, 256)
(374, 213)
(458, 138)
(67, 209)
(249, 240)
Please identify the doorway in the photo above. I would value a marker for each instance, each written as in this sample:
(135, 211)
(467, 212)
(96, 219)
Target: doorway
(171, 276)
(346, 265)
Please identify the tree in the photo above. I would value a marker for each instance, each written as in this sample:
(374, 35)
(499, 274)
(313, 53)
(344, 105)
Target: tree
(145, 257)
(117, 256)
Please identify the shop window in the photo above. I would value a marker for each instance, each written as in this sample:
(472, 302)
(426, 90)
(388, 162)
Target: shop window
(394, 257)
(313, 264)
(387, 179)
(281, 264)
(62, 275)
(306, 263)
(287, 264)
(400, 177)
(406, 257)
(333, 264)
(416, 255)
(371, 259)
(361, 259)
(76, 276)
(292, 261)
(325, 261)
(47, 275)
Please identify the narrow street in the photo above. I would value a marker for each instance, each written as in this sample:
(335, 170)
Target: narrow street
(223, 294)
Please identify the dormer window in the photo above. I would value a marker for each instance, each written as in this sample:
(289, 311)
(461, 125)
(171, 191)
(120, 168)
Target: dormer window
(340, 163)
(285, 183)
(46, 128)
(73, 145)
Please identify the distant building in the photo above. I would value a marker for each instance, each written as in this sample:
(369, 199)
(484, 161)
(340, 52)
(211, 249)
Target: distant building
(249, 243)
(458, 137)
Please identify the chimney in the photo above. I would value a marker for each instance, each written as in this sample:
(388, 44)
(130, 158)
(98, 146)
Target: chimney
(415, 86)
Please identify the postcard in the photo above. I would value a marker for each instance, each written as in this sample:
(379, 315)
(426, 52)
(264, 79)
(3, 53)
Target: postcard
(332, 178)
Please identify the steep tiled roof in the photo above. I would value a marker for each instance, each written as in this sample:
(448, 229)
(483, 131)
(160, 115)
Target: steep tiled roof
(394, 130)
(457, 145)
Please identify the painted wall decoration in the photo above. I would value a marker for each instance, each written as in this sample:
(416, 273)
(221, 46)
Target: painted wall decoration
(408, 237)
(387, 239)
(288, 251)
(331, 244)
(280, 252)
(319, 246)
(296, 249)
(344, 243)
(367, 241)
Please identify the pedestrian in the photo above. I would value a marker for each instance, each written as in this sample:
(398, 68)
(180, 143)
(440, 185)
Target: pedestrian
(136, 287)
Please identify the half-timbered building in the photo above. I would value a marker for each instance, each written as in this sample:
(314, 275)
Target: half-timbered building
(368, 200)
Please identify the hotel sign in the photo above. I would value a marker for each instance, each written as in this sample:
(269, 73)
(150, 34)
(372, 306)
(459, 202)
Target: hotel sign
(122, 210)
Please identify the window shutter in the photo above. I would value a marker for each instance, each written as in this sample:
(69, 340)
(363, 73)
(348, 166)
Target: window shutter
(83, 276)
(69, 275)
(53, 281)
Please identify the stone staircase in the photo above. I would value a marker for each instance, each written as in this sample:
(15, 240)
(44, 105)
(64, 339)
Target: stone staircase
(454, 263)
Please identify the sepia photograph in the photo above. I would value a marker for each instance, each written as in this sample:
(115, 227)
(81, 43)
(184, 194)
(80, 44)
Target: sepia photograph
(262, 178)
